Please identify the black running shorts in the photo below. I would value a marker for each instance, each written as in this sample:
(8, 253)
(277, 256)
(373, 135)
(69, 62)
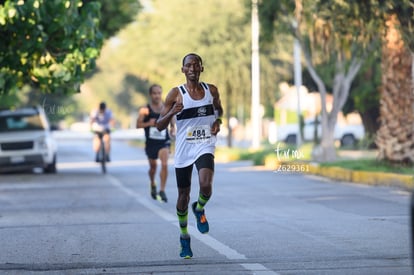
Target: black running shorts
(152, 150)
(183, 175)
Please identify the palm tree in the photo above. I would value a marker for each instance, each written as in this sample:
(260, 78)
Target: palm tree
(395, 137)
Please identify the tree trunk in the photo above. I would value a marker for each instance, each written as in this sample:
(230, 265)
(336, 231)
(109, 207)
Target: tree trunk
(371, 124)
(326, 151)
(395, 137)
(370, 121)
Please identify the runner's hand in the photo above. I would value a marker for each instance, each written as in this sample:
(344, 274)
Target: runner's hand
(215, 128)
(178, 105)
(152, 121)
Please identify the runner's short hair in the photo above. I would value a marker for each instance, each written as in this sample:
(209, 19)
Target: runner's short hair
(195, 55)
(152, 87)
(102, 106)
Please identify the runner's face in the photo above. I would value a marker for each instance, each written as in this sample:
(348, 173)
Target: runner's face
(192, 68)
(156, 95)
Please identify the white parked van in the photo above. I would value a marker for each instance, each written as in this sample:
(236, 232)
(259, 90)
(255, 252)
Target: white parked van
(26, 141)
(347, 134)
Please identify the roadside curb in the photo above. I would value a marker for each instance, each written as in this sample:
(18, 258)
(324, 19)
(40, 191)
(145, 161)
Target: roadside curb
(365, 177)
(342, 174)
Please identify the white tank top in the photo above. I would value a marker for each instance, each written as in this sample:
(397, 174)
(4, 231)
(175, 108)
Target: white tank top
(194, 123)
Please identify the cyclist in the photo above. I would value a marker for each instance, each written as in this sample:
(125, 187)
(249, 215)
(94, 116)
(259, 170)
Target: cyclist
(101, 122)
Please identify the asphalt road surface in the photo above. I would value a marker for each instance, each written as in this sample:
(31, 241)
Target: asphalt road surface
(80, 221)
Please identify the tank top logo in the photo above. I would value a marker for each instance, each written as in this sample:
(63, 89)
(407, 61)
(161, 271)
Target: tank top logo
(202, 111)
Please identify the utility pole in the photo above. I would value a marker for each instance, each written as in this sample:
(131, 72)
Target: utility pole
(255, 108)
(297, 66)
(298, 84)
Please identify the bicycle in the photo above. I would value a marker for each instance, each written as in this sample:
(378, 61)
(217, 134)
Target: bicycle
(101, 154)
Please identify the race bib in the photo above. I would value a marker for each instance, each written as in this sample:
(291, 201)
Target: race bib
(155, 134)
(198, 134)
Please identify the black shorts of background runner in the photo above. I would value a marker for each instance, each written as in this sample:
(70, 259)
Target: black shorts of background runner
(152, 150)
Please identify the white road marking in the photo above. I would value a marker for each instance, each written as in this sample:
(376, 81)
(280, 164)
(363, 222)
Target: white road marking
(258, 269)
(221, 248)
(92, 164)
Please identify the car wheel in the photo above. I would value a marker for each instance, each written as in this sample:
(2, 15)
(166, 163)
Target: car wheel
(291, 139)
(348, 141)
(51, 168)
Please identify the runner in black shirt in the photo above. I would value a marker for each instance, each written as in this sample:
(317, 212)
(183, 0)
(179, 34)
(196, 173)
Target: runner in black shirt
(157, 143)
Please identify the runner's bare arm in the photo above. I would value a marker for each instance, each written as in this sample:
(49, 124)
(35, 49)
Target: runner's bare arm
(216, 100)
(173, 105)
(215, 128)
(143, 112)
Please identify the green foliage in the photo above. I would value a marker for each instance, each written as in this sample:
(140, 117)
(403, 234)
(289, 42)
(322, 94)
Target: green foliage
(331, 25)
(227, 154)
(151, 51)
(332, 30)
(275, 18)
(257, 157)
(116, 15)
(365, 88)
(340, 33)
(285, 153)
(48, 45)
(364, 164)
(372, 165)
(336, 34)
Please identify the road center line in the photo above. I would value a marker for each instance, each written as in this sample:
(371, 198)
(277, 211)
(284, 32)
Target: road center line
(221, 248)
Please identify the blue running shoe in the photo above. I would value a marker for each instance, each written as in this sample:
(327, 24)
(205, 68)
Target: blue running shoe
(186, 252)
(202, 223)
(163, 196)
(154, 191)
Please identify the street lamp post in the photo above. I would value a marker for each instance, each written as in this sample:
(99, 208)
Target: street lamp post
(298, 84)
(255, 114)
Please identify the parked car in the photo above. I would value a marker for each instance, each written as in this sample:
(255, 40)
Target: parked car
(26, 141)
(347, 134)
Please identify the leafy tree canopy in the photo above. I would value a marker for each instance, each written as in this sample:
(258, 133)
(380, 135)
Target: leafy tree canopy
(151, 50)
(51, 45)
(116, 15)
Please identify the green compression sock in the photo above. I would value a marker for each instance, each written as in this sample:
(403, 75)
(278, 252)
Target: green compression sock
(183, 221)
(202, 200)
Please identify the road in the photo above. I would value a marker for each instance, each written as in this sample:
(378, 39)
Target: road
(80, 221)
